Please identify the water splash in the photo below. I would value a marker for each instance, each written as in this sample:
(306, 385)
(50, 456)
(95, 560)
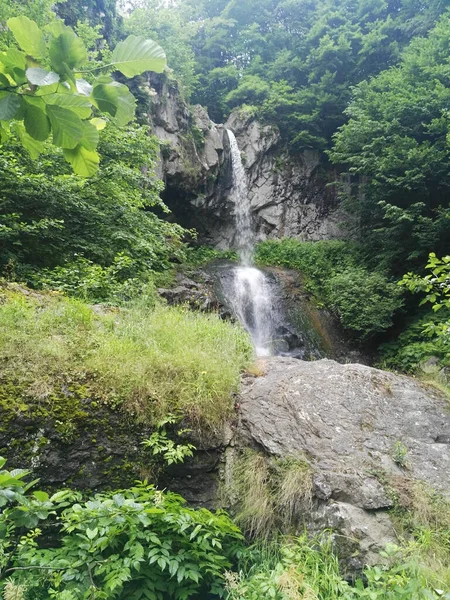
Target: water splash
(249, 295)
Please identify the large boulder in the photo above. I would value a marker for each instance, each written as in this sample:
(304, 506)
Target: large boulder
(366, 434)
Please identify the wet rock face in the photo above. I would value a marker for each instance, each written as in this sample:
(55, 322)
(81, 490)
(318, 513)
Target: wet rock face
(288, 193)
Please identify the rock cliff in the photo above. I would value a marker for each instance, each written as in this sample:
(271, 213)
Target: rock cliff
(290, 194)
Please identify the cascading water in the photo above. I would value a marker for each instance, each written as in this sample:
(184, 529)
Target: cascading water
(249, 294)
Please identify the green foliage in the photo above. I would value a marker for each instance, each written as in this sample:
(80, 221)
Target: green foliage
(130, 544)
(303, 568)
(289, 570)
(151, 360)
(197, 256)
(134, 543)
(436, 285)
(160, 443)
(98, 238)
(427, 335)
(175, 34)
(297, 60)
(399, 454)
(334, 272)
(365, 302)
(42, 90)
(396, 143)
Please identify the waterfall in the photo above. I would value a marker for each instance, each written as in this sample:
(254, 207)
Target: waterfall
(249, 294)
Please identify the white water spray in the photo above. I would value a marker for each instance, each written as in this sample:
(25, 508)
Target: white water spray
(250, 295)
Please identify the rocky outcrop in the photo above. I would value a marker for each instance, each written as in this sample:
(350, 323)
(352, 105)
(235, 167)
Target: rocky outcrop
(192, 160)
(289, 194)
(367, 435)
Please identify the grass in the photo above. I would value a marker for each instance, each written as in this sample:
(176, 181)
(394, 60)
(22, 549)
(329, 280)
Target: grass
(307, 568)
(150, 360)
(422, 520)
(271, 493)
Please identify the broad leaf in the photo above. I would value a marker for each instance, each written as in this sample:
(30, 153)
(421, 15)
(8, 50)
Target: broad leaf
(4, 81)
(36, 122)
(41, 77)
(67, 127)
(90, 136)
(136, 54)
(126, 105)
(56, 28)
(14, 58)
(28, 35)
(115, 99)
(9, 105)
(100, 124)
(106, 98)
(67, 51)
(84, 162)
(33, 147)
(80, 105)
(83, 87)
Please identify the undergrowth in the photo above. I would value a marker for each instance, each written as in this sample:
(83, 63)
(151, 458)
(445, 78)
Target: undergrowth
(269, 494)
(334, 272)
(152, 360)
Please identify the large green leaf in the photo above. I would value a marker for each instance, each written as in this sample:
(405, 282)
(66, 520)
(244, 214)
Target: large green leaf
(126, 105)
(80, 105)
(33, 147)
(36, 122)
(28, 35)
(9, 105)
(41, 77)
(67, 127)
(90, 136)
(115, 99)
(67, 51)
(84, 162)
(136, 54)
(106, 98)
(14, 58)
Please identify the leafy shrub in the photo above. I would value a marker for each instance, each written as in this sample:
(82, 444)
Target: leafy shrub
(129, 544)
(317, 261)
(334, 273)
(201, 255)
(120, 282)
(413, 346)
(365, 302)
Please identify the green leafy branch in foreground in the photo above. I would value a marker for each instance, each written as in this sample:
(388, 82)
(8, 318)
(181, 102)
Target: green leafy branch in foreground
(436, 286)
(43, 91)
(135, 543)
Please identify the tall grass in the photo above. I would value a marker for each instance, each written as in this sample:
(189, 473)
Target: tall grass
(149, 360)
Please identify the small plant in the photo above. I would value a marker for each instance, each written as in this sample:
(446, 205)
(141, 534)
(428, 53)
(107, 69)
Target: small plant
(399, 454)
(160, 443)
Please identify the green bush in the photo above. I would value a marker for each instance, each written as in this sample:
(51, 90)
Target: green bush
(364, 302)
(413, 346)
(125, 545)
(334, 272)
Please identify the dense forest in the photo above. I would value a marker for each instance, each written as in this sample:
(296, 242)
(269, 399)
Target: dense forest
(366, 84)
